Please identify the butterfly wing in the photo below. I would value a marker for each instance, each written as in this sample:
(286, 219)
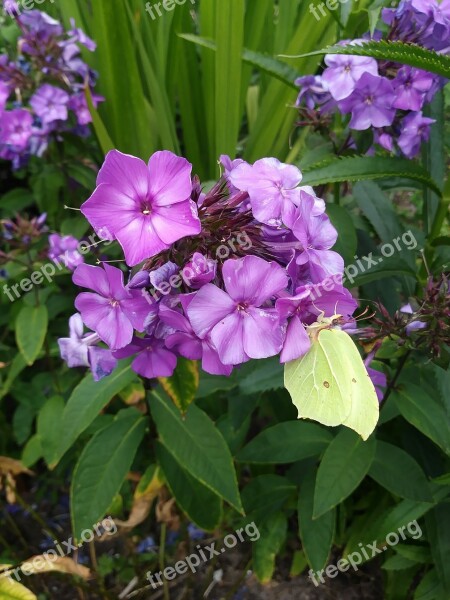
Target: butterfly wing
(364, 412)
(318, 384)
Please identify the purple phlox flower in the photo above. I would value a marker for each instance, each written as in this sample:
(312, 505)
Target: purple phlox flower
(240, 325)
(313, 93)
(4, 95)
(195, 533)
(50, 104)
(384, 139)
(160, 278)
(199, 270)
(11, 7)
(306, 195)
(327, 298)
(407, 309)
(228, 165)
(378, 378)
(41, 28)
(72, 62)
(415, 326)
(411, 86)
(79, 36)
(148, 544)
(415, 129)
(146, 208)
(316, 235)
(15, 129)
(112, 311)
(153, 358)
(370, 103)
(271, 185)
(344, 72)
(78, 105)
(80, 350)
(185, 342)
(65, 249)
(139, 281)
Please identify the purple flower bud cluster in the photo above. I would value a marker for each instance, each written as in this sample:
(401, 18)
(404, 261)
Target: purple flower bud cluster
(383, 96)
(42, 82)
(223, 276)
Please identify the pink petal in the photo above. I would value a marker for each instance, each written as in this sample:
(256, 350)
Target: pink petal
(208, 307)
(108, 210)
(252, 279)
(155, 363)
(297, 342)
(93, 278)
(228, 337)
(93, 308)
(263, 335)
(170, 178)
(126, 173)
(139, 240)
(137, 309)
(172, 223)
(115, 329)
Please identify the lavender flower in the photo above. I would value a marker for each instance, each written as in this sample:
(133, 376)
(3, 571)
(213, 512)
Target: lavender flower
(65, 249)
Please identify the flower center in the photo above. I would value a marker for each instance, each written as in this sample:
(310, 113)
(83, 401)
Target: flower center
(242, 307)
(146, 208)
(369, 100)
(114, 303)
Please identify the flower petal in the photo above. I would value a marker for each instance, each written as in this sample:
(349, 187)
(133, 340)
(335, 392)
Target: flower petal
(209, 306)
(172, 223)
(252, 279)
(296, 343)
(228, 337)
(93, 278)
(263, 335)
(126, 173)
(170, 178)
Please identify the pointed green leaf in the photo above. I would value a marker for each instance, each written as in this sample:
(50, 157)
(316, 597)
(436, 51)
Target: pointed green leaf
(195, 442)
(344, 465)
(182, 386)
(286, 442)
(359, 168)
(102, 468)
(31, 328)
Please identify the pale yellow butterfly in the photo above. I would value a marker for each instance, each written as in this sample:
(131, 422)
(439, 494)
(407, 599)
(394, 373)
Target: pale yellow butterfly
(330, 383)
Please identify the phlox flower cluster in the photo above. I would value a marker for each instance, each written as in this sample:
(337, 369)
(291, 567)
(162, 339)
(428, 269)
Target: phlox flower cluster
(42, 81)
(252, 305)
(385, 97)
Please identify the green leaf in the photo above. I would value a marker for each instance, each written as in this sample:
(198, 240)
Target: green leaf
(50, 435)
(397, 563)
(18, 364)
(32, 451)
(268, 64)
(106, 144)
(398, 472)
(102, 468)
(438, 530)
(229, 40)
(344, 465)
(196, 443)
(358, 168)
(398, 52)
(286, 443)
(182, 386)
(267, 494)
(79, 413)
(191, 496)
(430, 588)
(265, 549)
(31, 328)
(316, 534)
(378, 209)
(425, 414)
(347, 242)
(261, 376)
(10, 589)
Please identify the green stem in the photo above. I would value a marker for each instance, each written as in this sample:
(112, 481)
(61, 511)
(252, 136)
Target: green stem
(392, 383)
